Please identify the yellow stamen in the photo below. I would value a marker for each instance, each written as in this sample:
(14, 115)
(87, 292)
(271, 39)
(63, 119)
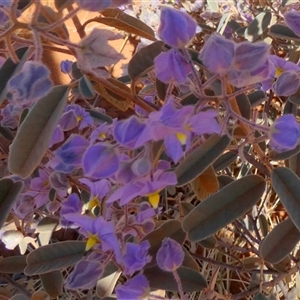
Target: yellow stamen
(102, 135)
(278, 72)
(92, 203)
(181, 137)
(79, 118)
(92, 240)
(154, 199)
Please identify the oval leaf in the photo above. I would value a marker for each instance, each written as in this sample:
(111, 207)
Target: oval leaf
(115, 17)
(223, 207)
(54, 257)
(283, 32)
(13, 264)
(86, 88)
(279, 242)
(191, 280)
(35, 133)
(257, 27)
(199, 160)
(224, 161)
(53, 283)
(9, 191)
(287, 185)
(144, 59)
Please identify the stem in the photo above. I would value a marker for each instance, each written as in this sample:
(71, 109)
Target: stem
(179, 284)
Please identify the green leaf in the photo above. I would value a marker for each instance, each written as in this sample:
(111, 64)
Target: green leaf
(53, 283)
(224, 180)
(9, 191)
(86, 88)
(274, 155)
(9, 69)
(287, 185)
(279, 31)
(191, 280)
(115, 17)
(99, 117)
(257, 27)
(144, 59)
(223, 207)
(35, 133)
(244, 106)
(279, 242)
(293, 163)
(171, 228)
(256, 98)
(54, 257)
(201, 158)
(224, 161)
(13, 264)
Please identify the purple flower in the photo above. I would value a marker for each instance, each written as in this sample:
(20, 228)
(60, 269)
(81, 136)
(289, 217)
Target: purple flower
(102, 132)
(72, 205)
(292, 19)
(171, 66)
(85, 275)
(66, 66)
(176, 28)
(249, 56)
(285, 133)
(136, 257)
(98, 190)
(41, 182)
(135, 288)
(287, 83)
(24, 205)
(126, 132)
(100, 161)
(170, 255)
(30, 84)
(278, 65)
(75, 115)
(10, 115)
(58, 136)
(97, 230)
(217, 47)
(69, 155)
(145, 186)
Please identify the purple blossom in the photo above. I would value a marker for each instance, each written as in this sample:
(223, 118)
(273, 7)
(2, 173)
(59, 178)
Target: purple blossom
(3, 16)
(72, 205)
(278, 65)
(100, 161)
(102, 132)
(24, 205)
(75, 115)
(58, 136)
(30, 84)
(176, 28)
(69, 155)
(285, 133)
(250, 56)
(97, 230)
(292, 19)
(171, 66)
(98, 190)
(136, 257)
(217, 47)
(59, 180)
(135, 288)
(170, 255)
(66, 66)
(126, 132)
(176, 125)
(287, 83)
(10, 115)
(145, 186)
(85, 275)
